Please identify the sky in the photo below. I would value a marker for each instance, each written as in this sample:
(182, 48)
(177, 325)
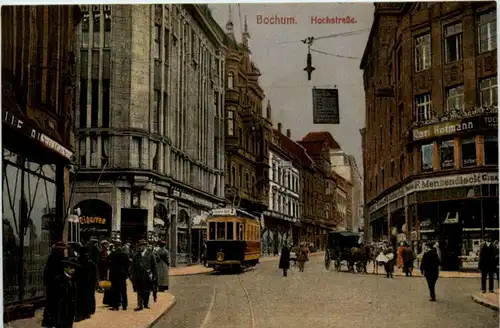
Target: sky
(281, 64)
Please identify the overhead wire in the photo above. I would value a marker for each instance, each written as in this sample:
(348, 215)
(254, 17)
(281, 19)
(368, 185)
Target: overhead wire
(328, 36)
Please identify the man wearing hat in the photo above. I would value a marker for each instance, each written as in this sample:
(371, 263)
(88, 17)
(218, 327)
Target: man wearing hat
(143, 274)
(65, 295)
(487, 264)
(53, 268)
(430, 269)
(118, 263)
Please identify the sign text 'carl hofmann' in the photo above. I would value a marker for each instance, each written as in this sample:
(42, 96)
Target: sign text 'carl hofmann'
(325, 106)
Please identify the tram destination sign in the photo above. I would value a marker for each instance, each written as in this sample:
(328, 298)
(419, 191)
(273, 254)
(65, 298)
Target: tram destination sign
(325, 106)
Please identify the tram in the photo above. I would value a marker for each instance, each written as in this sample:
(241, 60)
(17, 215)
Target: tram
(233, 239)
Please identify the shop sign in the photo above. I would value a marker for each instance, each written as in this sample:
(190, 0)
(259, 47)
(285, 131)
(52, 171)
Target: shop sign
(223, 212)
(454, 126)
(193, 199)
(451, 181)
(92, 220)
(24, 128)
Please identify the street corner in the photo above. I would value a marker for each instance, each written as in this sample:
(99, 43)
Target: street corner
(490, 300)
(129, 318)
(189, 270)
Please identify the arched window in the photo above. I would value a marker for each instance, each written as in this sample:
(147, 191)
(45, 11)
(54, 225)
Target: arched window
(230, 81)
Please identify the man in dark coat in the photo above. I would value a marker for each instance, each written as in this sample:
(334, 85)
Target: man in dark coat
(65, 295)
(284, 259)
(53, 268)
(85, 279)
(143, 274)
(119, 264)
(487, 264)
(430, 269)
(93, 251)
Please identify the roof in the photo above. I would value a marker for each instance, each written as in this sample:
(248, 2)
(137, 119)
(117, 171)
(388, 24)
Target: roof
(322, 136)
(313, 148)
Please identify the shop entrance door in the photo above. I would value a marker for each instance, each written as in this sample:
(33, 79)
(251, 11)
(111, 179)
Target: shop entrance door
(133, 224)
(451, 245)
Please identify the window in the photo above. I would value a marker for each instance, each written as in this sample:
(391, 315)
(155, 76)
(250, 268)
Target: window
(106, 93)
(156, 46)
(382, 175)
(95, 103)
(422, 52)
(489, 91)
(82, 152)
(423, 107)
(240, 175)
(230, 231)
(230, 81)
(165, 116)
(83, 103)
(135, 152)
(85, 29)
(97, 28)
(221, 230)
(93, 151)
(392, 169)
(427, 157)
(216, 152)
(455, 98)
(401, 167)
(487, 31)
(468, 152)
(491, 150)
(107, 29)
(230, 122)
(211, 231)
(247, 181)
(233, 176)
(165, 45)
(447, 154)
(104, 148)
(155, 119)
(453, 42)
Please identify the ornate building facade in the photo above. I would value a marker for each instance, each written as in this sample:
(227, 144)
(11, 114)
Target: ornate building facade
(38, 70)
(149, 122)
(248, 131)
(430, 142)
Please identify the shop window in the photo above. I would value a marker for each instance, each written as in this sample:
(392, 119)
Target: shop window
(455, 98)
(422, 52)
(453, 42)
(491, 150)
(446, 153)
(211, 231)
(427, 157)
(468, 152)
(489, 91)
(423, 107)
(487, 31)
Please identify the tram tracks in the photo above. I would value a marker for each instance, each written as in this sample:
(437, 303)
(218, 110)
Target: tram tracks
(215, 293)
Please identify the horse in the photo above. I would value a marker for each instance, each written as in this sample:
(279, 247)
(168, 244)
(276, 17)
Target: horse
(359, 256)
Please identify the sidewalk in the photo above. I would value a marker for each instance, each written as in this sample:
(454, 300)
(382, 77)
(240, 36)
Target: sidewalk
(416, 272)
(490, 300)
(113, 319)
(189, 270)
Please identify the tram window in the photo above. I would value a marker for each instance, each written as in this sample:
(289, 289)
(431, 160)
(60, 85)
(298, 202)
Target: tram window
(211, 231)
(237, 226)
(221, 230)
(230, 231)
(242, 231)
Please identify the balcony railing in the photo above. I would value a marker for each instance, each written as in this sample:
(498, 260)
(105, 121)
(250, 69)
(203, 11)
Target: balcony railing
(456, 114)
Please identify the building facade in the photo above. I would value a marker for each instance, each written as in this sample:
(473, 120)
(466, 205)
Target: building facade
(282, 216)
(149, 123)
(356, 195)
(431, 149)
(247, 131)
(38, 70)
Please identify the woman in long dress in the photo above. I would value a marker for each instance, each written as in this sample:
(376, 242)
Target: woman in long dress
(162, 264)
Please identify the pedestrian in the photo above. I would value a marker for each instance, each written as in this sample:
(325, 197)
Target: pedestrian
(53, 268)
(103, 260)
(487, 264)
(284, 259)
(65, 295)
(85, 280)
(143, 274)
(389, 263)
(497, 260)
(303, 256)
(93, 250)
(409, 257)
(430, 269)
(118, 264)
(162, 263)
(401, 248)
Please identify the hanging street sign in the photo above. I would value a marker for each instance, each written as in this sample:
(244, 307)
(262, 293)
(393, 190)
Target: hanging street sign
(326, 106)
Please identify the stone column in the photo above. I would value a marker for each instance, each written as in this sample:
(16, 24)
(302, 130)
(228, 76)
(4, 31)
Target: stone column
(457, 155)
(117, 206)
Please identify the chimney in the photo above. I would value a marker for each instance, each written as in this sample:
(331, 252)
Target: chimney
(288, 133)
(279, 127)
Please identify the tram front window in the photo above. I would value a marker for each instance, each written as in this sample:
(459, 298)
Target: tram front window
(211, 231)
(221, 230)
(230, 231)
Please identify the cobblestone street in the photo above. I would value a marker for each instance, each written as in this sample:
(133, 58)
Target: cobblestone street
(317, 298)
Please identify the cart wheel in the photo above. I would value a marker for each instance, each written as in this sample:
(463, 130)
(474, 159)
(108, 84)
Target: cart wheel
(327, 260)
(338, 265)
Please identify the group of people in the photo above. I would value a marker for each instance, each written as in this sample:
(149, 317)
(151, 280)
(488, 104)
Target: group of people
(73, 273)
(302, 257)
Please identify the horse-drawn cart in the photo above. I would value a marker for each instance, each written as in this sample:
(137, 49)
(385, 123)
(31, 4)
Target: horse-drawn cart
(343, 246)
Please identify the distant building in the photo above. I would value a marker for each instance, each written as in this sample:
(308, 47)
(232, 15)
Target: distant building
(431, 137)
